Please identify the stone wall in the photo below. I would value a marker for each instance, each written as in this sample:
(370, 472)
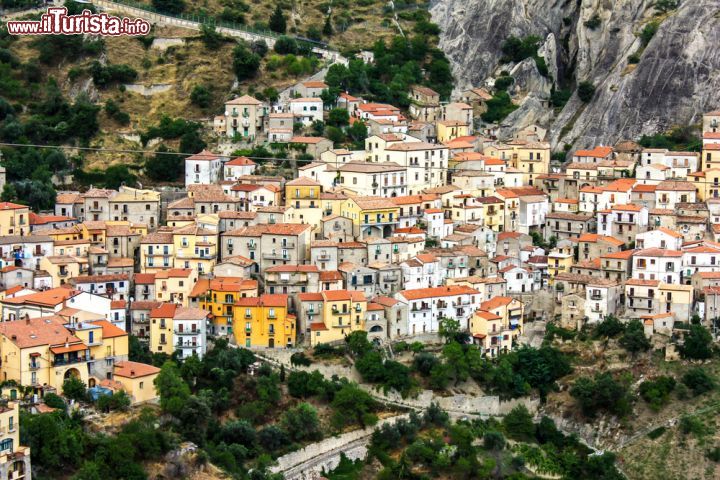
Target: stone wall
(308, 462)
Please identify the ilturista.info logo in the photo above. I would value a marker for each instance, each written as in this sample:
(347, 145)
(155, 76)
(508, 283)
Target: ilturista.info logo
(57, 22)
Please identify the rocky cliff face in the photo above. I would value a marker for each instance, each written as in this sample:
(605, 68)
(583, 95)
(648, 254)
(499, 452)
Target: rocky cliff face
(676, 80)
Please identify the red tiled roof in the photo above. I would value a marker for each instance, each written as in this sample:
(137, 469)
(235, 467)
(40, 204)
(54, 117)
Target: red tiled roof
(434, 292)
(109, 330)
(495, 302)
(128, 369)
(165, 310)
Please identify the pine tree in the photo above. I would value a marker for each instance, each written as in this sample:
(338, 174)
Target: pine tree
(327, 28)
(277, 20)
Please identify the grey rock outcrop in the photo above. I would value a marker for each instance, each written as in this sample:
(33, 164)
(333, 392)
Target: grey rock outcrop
(676, 80)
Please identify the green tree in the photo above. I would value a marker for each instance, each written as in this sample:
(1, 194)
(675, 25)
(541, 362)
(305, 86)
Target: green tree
(698, 380)
(338, 117)
(657, 391)
(163, 166)
(313, 33)
(245, 62)
(327, 27)
(169, 6)
(424, 362)
(116, 401)
(648, 32)
(634, 339)
(334, 134)
(83, 122)
(38, 195)
(440, 376)
(518, 424)
(493, 440)
(352, 404)
(75, 389)
(664, 6)
(273, 438)
(301, 422)
(602, 392)
(192, 142)
(449, 329)
(516, 49)
(358, 343)
(57, 442)
(53, 400)
(586, 91)
(357, 133)
(201, 96)
(286, 45)
(173, 391)
(456, 361)
(277, 21)
(610, 327)
(117, 175)
(697, 343)
(211, 37)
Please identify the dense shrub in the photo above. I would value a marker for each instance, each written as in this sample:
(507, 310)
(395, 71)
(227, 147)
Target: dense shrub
(586, 91)
(698, 380)
(657, 391)
(601, 393)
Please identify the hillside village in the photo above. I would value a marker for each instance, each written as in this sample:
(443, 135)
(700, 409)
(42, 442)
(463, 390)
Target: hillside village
(418, 221)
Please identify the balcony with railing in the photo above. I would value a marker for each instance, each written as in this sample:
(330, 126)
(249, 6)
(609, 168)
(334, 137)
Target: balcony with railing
(420, 308)
(180, 331)
(276, 256)
(252, 246)
(61, 360)
(595, 296)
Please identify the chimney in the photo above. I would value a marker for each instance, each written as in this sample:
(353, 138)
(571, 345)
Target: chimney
(132, 373)
(27, 319)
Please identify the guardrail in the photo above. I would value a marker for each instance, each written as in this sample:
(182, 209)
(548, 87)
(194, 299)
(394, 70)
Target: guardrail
(229, 28)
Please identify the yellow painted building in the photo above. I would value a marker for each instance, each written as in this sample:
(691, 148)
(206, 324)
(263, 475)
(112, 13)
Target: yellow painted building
(174, 285)
(218, 296)
(138, 380)
(43, 352)
(706, 183)
(343, 312)
(303, 192)
(195, 248)
(531, 158)
(560, 259)
(157, 251)
(710, 156)
(497, 324)
(14, 458)
(264, 322)
(175, 328)
(63, 268)
(14, 219)
(448, 130)
(161, 328)
(371, 216)
(65, 234)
